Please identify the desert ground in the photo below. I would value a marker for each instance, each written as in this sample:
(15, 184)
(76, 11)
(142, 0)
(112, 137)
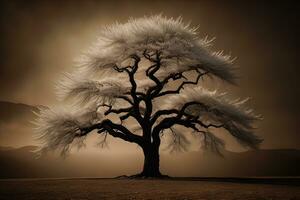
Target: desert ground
(118, 189)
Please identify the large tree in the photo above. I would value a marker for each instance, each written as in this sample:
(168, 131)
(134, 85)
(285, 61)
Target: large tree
(147, 72)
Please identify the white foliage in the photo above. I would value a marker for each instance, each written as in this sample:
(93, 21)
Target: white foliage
(96, 82)
(212, 143)
(216, 103)
(58, 127)
(219, 109)
(178, 140)
(181, 49)
(87, 91)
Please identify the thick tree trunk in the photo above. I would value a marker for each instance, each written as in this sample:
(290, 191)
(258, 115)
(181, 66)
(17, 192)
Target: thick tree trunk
(151, 161)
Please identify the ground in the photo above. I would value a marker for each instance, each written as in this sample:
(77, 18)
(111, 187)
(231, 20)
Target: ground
(118, 189)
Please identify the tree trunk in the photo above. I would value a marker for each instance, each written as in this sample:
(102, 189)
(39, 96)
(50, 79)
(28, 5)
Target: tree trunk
(151, 161)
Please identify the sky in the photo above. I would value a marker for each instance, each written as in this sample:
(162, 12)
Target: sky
(41, 39)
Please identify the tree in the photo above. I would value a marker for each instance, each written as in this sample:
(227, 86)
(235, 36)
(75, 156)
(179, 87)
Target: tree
(147, 72)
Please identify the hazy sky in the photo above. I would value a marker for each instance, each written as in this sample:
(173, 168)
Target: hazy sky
(39, 40)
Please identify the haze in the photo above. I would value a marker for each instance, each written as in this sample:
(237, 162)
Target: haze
(40, 39)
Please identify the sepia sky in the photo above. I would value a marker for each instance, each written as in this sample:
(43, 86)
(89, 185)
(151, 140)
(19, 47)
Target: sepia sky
(40, 39)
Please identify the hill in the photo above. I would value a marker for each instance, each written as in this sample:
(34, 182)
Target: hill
(15, 124)
(23, 163)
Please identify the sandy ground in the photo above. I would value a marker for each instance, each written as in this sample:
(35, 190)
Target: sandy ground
(98, 189)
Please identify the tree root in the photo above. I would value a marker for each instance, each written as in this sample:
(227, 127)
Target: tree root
(143, 176)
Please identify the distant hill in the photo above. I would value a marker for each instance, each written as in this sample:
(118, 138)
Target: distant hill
(264, 162)
(16, 130)
(15, 111)
(15, 124)
(22, 163)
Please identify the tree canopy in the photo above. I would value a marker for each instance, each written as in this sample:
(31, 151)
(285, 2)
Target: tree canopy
(142, 70)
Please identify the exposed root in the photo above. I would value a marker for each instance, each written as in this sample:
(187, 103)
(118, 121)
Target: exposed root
(143, 176)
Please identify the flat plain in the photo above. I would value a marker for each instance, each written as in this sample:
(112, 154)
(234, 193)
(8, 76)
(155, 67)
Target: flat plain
(175, 189)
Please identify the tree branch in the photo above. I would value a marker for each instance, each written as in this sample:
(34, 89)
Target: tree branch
(126, 99)
(116, 111)
(184, 83)
(131, 70)
(182, 118)
(154, 68)
(116, 130)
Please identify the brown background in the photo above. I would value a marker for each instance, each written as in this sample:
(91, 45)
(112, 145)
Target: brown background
(39, 40)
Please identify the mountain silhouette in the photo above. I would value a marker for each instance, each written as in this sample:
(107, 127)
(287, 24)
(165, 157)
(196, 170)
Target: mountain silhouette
(16, 128)
(23, 163)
